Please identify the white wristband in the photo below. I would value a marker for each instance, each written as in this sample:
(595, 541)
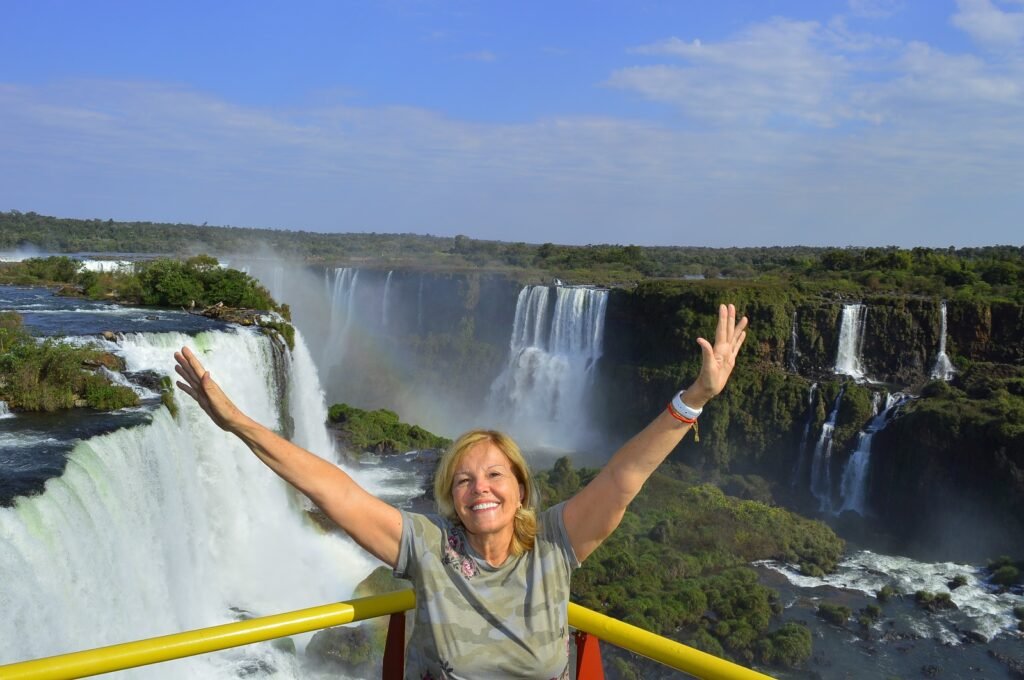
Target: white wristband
(684, 410)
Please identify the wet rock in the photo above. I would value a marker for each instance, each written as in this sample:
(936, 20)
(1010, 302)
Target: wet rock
(347, 651)
(1013, 665)
(111, 361)
(931, 671)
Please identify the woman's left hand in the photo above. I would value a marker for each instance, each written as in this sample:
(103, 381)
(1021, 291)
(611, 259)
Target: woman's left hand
(718, 359)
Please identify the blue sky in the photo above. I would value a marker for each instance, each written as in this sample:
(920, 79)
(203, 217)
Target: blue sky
(754, 122)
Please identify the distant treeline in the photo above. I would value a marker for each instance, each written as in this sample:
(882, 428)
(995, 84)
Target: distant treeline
(198, 281)
(991, 271)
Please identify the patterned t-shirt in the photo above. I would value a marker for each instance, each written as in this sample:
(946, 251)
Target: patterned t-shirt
(478, 621)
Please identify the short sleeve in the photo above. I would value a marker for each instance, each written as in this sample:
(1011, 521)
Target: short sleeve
(418, 533)
(554, 531)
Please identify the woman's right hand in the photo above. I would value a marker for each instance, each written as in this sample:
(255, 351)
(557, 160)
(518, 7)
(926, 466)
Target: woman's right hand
(207, 393)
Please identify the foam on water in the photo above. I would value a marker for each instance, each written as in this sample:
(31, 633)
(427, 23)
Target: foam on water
(167, 527)
(980, 607)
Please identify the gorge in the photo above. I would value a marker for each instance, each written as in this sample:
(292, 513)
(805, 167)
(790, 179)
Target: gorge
(453, 350)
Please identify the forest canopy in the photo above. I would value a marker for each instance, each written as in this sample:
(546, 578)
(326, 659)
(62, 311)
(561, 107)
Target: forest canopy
(985, 272)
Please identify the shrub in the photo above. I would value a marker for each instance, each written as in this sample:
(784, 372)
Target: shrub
(1006, 575)
(886, 593)
(788, 646)
(836, 614)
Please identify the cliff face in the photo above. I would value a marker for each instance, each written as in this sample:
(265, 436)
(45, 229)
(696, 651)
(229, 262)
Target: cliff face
(449, 338)
(767, 423)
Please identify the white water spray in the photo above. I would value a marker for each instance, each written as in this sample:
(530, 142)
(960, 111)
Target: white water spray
(794, 353)
(943, 369)
(854, 483)
(821, 464)
(342, 292)
(541, 395)
(167, 527)
(851, 341)
(384, 303)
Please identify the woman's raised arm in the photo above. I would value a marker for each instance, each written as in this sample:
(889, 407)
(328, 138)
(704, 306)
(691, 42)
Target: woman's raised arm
(593, 514)
(371, 522)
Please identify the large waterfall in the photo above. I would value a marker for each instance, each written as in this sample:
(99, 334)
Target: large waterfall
(851, 341)
(342, 314)
(943, 369)
(542, 394)
(175, 525)
(853, 487)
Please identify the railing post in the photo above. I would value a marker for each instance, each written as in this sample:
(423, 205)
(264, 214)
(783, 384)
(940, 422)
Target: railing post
(394, 648)
(588, 657)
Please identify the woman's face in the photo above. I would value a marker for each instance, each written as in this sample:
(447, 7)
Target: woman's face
(485, 491)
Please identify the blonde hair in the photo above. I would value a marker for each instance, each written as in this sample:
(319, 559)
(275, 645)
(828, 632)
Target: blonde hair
(524, 525)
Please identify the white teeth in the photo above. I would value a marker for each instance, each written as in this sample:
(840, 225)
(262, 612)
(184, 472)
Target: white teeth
(484, 506)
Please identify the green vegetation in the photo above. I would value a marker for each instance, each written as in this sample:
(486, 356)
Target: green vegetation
(933, 601)
(196, 282)
(677, 565)
(956, 582)
(380, 431)
(52, 375)
(868, 615)
(995, 272)
(836, 614)
(886, 593)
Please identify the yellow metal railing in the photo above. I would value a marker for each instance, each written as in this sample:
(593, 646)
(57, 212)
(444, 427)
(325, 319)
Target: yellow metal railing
(204, 640)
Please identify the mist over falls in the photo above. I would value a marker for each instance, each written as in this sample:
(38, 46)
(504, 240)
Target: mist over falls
(451, 351)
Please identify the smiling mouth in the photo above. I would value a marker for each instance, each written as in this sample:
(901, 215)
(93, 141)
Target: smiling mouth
(483, 506)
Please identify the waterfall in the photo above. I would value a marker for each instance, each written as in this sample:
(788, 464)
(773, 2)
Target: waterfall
(853, 487)
(851, 341)
(943, 366)
(419, 307)
(170, 526)
(821, 473)
(5, 412)
(384, 302)
(801, 461)
(342, 314)
(794, 353)
(541, 395)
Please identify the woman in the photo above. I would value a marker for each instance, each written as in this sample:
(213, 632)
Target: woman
(491, 577)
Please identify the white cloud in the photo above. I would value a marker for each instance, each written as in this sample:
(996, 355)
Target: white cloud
(945, 140)
(989, 25)
(781, 70)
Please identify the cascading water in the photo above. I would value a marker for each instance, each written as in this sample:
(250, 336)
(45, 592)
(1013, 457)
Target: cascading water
(171, 526)
(541, 395)
(821, 464)
(851, 341)
(419, 306)
(384, 302)
(342, 314)
(943, 369)
(794, 353)
(853, 487)
(5, 411)
(801, 461)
